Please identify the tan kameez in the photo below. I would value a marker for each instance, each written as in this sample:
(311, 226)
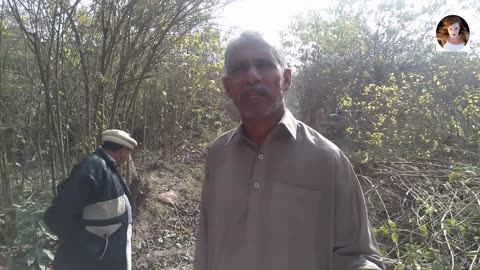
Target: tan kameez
(293, 204)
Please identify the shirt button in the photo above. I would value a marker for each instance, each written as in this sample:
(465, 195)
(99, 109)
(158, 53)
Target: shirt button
(256, 185)
(260, 156)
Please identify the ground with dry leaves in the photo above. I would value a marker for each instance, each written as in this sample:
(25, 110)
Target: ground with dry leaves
(165, 225)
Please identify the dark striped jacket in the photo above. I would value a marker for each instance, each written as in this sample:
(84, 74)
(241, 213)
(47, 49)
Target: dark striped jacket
(91, 215)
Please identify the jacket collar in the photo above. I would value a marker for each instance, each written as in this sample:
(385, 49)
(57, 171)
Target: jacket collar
(110, 161)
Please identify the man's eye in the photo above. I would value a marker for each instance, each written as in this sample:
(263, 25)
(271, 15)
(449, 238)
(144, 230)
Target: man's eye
(239, 69)
(265, 65)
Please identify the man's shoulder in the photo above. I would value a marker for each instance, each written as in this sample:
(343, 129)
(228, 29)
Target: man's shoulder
(93, 161)
(317, 141)
(221, 141)
(91, 165)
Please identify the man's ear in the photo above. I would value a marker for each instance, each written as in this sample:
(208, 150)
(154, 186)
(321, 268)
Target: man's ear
(287, 78)
(226, 86)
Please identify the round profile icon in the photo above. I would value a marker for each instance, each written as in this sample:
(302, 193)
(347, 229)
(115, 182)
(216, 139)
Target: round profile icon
(453, 33)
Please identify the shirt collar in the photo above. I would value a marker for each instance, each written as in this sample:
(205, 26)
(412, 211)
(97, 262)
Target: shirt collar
(288, 121)
(237, 133)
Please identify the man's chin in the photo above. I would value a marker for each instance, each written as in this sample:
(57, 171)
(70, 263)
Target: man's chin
(255, 114)
(259, 114)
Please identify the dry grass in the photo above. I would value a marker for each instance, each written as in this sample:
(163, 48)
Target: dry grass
(426, 214)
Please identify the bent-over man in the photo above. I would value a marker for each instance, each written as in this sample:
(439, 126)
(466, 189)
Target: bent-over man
(91, 213)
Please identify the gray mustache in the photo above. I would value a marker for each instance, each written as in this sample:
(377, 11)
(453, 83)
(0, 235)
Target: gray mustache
(254, 91)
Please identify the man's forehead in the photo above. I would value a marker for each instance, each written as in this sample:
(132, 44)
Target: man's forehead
(247, 51)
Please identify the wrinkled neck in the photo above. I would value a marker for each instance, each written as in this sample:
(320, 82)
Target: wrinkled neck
(258, 129)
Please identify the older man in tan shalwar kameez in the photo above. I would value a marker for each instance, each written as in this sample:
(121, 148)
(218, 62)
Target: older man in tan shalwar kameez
(277, 194)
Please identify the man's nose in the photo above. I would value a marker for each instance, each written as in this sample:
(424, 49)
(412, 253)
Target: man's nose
(253, 75)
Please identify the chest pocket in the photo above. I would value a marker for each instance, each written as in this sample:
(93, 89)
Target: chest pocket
(296, 225)
(287, 192)
(294, 207)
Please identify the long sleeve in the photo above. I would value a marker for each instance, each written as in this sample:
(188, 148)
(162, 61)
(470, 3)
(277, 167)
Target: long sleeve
(355, 246)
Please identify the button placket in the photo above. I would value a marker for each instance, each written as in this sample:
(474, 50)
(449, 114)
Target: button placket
(258, 171)
(257, 191)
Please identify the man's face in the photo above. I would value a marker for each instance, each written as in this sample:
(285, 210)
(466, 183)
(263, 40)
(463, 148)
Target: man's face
(255, 81)
(123, 155)
(453, 30)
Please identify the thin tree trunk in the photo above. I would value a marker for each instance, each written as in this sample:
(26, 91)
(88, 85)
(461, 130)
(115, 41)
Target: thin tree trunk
(145, 106)
(51, 155)
(38, 144)
(6, 200)
(83, 65)
(1, 50)
(59, 133)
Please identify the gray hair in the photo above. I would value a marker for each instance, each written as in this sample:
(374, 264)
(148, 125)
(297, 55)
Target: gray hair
(255, 37)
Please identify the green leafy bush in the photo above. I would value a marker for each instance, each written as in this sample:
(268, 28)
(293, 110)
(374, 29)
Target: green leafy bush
(32, 243)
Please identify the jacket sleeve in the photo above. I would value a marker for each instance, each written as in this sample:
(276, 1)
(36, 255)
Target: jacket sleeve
(355, 246)
(201, 250)
(64, 216)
